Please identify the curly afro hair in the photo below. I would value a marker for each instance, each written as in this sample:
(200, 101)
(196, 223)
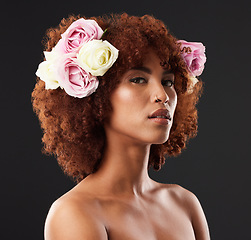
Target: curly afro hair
(73, 127)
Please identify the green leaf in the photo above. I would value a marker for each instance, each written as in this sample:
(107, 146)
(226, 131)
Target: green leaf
(104, 33)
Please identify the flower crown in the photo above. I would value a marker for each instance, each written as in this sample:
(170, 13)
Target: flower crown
(194, 56)
(80, 56)
(77, 59)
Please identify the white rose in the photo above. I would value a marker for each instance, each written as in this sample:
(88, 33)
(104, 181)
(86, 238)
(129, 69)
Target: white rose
(97, 56)
(46, 70)
(194, 80)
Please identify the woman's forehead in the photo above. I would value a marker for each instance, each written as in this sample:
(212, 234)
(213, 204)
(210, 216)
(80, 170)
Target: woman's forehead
(149, 70)
(151, 61)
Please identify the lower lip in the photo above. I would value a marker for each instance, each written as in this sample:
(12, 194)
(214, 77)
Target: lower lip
(161, 121)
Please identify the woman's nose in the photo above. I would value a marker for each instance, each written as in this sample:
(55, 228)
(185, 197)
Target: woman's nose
(159, 94)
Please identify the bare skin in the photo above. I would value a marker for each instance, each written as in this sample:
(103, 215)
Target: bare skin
(120, 201)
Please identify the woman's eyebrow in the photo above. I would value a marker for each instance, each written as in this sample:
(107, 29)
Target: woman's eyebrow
(143, 69)
(148, 70)
(167, 72)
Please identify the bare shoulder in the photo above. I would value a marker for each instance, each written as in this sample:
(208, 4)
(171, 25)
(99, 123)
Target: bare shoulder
(191, 205)
(70, 218)
(181, 195)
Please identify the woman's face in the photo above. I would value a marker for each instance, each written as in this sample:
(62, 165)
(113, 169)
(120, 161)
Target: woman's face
(135, 100)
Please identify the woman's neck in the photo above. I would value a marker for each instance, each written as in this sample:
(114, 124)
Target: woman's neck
(124, 167)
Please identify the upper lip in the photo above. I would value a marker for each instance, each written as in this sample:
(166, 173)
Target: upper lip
(161, 112)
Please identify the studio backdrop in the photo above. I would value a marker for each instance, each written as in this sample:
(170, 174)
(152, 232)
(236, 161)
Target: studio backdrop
(215, 166)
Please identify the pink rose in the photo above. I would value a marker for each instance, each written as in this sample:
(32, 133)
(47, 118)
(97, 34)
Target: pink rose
(78, 33)
(194, 55)
(75, 81)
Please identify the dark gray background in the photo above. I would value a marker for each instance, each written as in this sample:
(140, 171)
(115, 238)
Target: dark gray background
(215, 165)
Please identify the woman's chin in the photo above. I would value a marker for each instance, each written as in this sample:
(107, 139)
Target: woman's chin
(159, 139)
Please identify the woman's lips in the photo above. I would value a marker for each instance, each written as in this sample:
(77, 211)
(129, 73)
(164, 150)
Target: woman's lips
(162, 121)
(160, 116)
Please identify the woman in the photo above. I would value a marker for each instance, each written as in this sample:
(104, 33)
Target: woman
(114, 96)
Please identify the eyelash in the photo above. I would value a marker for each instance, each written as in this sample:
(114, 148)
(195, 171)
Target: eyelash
(168, 81)
(135, 80)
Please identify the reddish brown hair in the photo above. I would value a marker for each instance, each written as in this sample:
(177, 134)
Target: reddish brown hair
(73, 127)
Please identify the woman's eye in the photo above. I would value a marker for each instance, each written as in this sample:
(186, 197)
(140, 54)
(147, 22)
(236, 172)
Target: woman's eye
(168, 83)
(138, 80)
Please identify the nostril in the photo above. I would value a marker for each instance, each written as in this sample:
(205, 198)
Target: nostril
(157, 99)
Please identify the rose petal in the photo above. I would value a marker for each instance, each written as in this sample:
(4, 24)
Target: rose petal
(77, 34)
(73, 78)
(195, 57)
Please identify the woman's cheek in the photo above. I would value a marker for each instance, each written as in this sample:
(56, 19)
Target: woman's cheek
(125, 96)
